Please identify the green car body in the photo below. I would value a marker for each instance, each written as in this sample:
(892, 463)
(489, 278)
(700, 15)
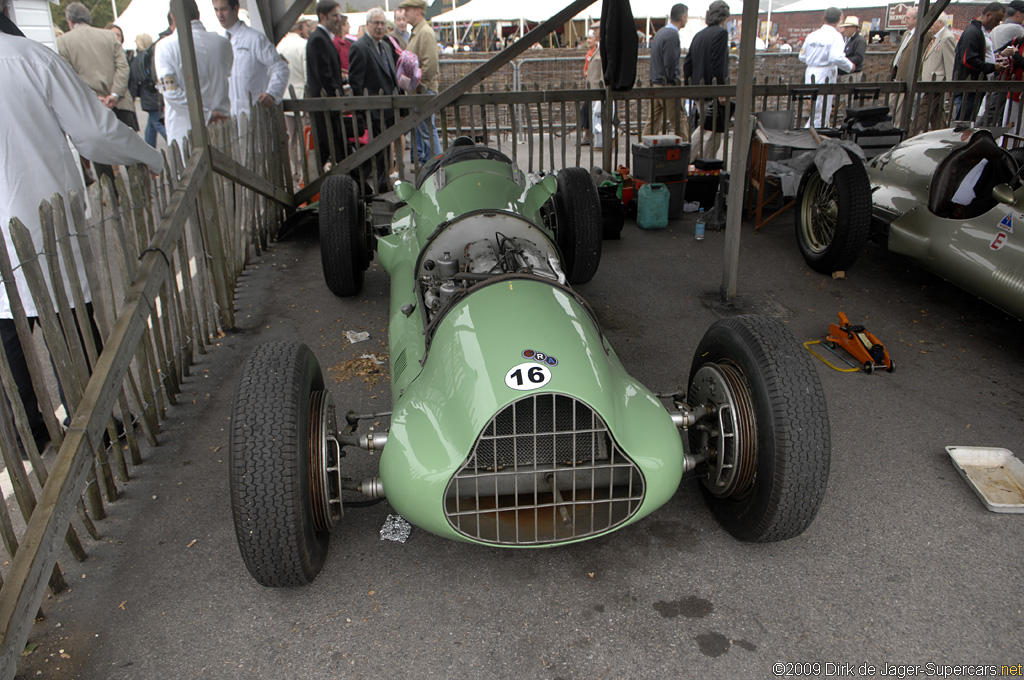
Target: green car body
(445, 394)
(513, 422)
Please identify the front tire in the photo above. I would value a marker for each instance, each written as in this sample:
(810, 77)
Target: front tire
(833, 219)
(269, 465)
(768, 466)
(343, 251)
(579, 228)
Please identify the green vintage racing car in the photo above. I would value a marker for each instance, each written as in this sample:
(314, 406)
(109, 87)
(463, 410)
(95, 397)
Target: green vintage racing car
(513, 423)
(951, 199)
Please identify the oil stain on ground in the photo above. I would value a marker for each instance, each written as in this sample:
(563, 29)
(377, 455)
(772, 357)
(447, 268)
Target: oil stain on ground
(691, 607)
(712, 644)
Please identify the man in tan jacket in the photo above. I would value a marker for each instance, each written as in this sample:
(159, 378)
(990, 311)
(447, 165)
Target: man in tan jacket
(423, 44)
(98, 58)
(937, 65)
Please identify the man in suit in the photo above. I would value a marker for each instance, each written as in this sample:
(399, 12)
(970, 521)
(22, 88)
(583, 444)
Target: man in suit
(937, 65)
(323, 77)
(401, 32)
(372, 71)
(900, 71)
(97, 57)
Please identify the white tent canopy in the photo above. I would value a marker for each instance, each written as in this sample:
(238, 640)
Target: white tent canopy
(540, 10)
(150, 16)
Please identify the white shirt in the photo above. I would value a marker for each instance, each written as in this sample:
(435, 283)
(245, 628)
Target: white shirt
(44, 99)
(258, 68)
(213, 61)
(824, 52)
(292, 49)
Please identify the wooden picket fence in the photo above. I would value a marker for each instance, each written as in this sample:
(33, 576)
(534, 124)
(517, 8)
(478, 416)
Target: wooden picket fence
(161, 261)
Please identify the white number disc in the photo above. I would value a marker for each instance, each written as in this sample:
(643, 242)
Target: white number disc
(528, 376)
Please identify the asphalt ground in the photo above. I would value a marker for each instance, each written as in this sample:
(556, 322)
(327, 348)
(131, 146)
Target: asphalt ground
(903, 565)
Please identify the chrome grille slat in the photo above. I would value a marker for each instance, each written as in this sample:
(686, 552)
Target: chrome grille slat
(501, 494)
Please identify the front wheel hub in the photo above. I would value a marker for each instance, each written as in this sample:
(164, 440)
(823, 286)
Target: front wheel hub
(728, 437)
(324, 462)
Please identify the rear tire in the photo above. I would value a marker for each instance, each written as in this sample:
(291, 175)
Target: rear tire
(780, 445)
(343, 251)
(833, 219)
(579, 224)
(269, 466)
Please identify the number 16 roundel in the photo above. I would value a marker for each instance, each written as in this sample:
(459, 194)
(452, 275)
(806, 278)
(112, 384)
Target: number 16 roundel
(528, 376)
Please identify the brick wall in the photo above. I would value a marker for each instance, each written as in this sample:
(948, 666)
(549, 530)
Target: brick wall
(796, 25)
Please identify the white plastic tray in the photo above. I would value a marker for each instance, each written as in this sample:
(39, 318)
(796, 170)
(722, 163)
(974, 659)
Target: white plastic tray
(994, 474)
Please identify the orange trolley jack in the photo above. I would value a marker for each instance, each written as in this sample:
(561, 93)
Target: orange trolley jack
(860, 344)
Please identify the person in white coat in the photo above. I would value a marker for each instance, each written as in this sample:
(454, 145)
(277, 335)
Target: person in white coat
(44, 101)
(258, 75)
(824, 52)
(213, 61)
(292, 49)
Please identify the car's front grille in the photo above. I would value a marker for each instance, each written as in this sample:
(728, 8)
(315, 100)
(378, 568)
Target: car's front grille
(545, 469)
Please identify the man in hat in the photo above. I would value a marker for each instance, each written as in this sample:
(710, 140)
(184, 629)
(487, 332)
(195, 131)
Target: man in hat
(856, 48)
(423, 43)
(824, 52)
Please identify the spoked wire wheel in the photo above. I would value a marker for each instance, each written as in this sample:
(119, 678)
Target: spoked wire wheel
(833, 218)
(819, 212)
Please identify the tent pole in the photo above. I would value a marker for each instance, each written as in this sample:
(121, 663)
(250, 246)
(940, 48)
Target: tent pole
(740, 150)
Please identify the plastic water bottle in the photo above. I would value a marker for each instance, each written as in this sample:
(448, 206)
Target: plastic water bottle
(699, 230)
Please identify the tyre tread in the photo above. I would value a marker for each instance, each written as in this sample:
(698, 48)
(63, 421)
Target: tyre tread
(579, 202)
(800, 427)
(265, 480)
(341, 236)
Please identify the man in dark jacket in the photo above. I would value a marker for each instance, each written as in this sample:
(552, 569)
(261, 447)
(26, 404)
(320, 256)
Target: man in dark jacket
(142, 84)
(855, 50)
(970, 61)
(707, 63)
(665, 72)
(323, 76)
